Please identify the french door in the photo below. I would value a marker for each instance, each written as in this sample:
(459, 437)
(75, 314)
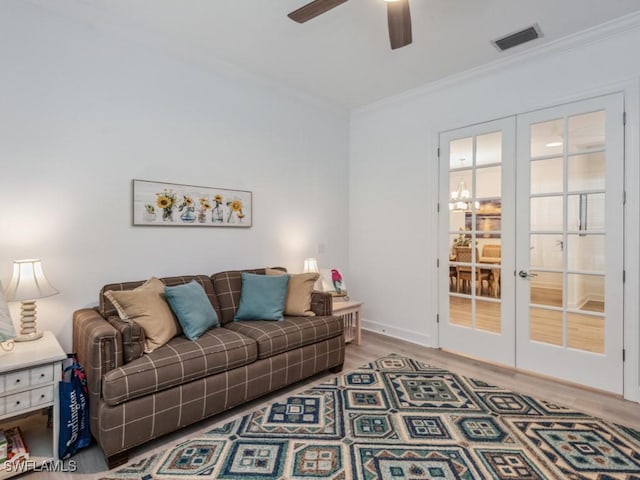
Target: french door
(477, 239)
(569, 255)
(533, 242)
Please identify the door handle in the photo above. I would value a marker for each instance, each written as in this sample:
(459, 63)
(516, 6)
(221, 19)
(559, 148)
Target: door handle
(524, 274)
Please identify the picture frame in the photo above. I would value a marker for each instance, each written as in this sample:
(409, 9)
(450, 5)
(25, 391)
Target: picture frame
(7, 328)
(487, 225)
(333, 282)
(488, 219)
(174, 204)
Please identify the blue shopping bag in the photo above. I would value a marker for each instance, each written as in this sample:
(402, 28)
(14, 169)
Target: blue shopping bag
(74, 409)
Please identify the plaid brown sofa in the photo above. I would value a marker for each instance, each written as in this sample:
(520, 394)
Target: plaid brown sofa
(136, 397)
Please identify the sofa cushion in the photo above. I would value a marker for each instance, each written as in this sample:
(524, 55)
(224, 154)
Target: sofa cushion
(192, 307)
(178, 362)
(292, 332)
(147, 306)
(262, 297)
(227, 286)
(298, 303)
(107, 309)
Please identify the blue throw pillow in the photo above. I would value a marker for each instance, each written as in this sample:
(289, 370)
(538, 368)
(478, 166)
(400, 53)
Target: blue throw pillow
(192, 307)
(262, 297)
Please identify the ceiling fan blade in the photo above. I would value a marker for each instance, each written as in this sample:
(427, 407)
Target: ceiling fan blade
(399, 23)
(313, 9)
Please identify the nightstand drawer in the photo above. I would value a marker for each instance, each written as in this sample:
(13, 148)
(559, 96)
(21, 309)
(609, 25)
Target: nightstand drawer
(17, 402)
(28, 385)
(40, 396)
(42, 374)
(16, 380)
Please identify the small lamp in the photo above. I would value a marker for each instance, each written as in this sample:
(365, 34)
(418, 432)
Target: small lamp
(311, 265)
(28, 284)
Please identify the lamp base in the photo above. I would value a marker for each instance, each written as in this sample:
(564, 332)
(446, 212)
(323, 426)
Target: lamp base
(28, 329)
(28, 337)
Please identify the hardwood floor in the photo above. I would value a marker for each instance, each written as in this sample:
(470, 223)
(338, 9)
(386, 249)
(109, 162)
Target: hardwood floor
(488, 314)
(91, 465)
(584, 332)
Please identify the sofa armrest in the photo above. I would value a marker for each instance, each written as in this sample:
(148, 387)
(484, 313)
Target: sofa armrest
(321, 303)
(98, 346)
(133, 338)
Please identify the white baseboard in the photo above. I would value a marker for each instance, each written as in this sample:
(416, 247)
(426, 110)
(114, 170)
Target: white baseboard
(586, 299)
(400, 333)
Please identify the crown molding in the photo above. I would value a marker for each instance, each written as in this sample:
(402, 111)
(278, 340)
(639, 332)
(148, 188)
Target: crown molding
(589, 36)
(89, 14)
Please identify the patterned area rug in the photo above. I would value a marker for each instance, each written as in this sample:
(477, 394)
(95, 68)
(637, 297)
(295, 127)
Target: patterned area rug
(398, 418)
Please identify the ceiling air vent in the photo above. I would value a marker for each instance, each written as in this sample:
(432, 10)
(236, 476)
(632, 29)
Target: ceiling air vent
(518, 38)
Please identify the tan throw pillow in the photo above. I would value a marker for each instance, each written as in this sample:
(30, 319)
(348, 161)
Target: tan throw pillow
(298, 302)
(147, 307)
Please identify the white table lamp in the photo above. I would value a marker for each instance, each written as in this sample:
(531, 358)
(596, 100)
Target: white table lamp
(28, 284)
(311, 265)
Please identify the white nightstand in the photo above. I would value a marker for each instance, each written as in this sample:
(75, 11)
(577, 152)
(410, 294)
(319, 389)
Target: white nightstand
(29, 376)
(350, 312)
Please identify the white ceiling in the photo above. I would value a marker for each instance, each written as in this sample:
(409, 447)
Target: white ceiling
(344, 56)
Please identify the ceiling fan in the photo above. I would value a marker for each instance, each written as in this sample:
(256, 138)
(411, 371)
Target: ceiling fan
(398, 15)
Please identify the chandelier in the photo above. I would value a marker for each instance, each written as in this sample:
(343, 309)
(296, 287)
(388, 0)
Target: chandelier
(459, 199)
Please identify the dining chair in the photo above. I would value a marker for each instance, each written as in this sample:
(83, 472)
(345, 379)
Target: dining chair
(464, 272)
(493, 251)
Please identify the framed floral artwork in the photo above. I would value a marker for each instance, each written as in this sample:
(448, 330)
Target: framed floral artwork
(173, 204)
(333, 281)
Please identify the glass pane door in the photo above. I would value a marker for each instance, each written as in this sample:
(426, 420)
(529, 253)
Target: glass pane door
(476, 200)
(570, 248)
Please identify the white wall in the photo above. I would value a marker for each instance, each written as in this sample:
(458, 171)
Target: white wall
(83, 111)
(393, 174)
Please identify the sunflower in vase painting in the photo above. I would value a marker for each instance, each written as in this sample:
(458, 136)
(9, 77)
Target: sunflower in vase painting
(188, 209)
(205, 205)
(166, 200)
(216, 212)
(235, 209)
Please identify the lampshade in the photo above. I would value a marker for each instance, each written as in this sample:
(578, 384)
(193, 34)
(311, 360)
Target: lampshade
(28, 282)
(310, 265)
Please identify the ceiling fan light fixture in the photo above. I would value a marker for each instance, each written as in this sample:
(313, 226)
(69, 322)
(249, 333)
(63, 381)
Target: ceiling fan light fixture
(399, 21)
(313, 9)
(398, 18)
